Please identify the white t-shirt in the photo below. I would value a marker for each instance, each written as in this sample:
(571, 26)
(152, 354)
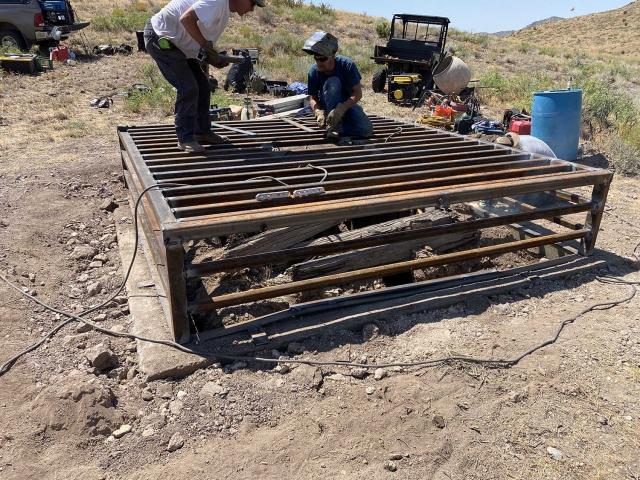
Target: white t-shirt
(213, 16)
(532, 144)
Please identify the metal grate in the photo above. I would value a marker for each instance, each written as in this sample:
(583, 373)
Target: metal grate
(403, 167)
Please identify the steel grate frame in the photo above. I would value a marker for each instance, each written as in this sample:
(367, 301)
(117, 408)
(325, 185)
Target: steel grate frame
(403, 168)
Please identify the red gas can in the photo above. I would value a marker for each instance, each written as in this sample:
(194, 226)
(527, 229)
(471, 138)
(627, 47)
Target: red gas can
(521, 127)
(59, 54)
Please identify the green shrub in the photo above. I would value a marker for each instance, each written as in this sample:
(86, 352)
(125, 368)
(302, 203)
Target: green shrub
(311, 15)
(513, 92)
(307, 16)
(603, 108)
(121, 20)
(285, 67)
(623, 155)
(361, 54)
(78, 129)
(479, 39)
(266, 16)
(548, 51)
(383, 28)
(282, 42)
(524, 47)
(288, 3)
(160, 96)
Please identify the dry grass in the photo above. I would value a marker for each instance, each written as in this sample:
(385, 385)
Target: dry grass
(544, 57)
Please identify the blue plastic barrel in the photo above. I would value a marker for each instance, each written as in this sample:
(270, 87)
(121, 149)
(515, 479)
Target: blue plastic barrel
(555, 119)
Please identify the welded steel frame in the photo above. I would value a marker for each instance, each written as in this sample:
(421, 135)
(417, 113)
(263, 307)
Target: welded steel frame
(404, 167)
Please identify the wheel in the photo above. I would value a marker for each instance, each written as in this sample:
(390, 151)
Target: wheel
(12, 39)
(379, 80)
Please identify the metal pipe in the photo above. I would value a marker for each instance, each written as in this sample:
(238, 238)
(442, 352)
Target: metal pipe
(378, 272)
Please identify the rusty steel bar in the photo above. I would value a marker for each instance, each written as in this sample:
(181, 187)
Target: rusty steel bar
(357, 172)
(146, 143)
(361, 206)
(379, 272)
(282, 161)
(299, 125)
(190, 204)
(232, 129)
(290, 255)
(338, 164)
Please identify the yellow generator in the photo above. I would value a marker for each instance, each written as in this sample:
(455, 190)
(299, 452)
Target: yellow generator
(404, 88)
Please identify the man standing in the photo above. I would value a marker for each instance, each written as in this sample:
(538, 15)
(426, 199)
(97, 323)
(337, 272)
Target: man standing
(180, 37)
(335, 89)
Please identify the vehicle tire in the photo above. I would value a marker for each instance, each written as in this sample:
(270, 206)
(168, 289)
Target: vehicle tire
(12, 38)
(379, 81)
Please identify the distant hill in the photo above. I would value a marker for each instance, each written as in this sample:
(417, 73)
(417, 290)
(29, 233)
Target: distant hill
(543, 22)
(614, 32)
(506, 33)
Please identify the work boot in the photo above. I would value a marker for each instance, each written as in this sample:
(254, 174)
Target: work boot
(190, 146)
(210, 138)
(332, 135)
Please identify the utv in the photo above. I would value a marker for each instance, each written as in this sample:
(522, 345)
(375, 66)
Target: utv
(416, 45)
(24, 23)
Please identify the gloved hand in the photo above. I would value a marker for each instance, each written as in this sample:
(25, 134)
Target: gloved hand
(211, 56)
(335, 116)
(320, 118)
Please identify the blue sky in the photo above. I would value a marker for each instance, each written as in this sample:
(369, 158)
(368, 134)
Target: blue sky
(480, 15)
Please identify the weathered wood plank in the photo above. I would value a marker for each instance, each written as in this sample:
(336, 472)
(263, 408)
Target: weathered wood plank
(277, 239)
(380, 255)
(375, 256)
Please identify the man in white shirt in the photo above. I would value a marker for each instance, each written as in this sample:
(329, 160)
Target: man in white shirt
(179, 38)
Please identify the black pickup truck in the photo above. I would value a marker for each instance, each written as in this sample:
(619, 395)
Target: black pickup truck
(24, 23)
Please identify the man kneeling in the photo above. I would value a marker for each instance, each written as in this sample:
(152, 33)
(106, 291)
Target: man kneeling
(335, 89)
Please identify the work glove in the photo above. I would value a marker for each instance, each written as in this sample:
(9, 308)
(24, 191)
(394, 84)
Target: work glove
(320, 118)
(335, 116)
(210, 55)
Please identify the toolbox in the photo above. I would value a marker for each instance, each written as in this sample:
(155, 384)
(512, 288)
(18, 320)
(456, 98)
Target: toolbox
(19, 63)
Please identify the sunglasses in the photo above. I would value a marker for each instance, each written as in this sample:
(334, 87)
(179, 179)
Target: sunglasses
(320, 59)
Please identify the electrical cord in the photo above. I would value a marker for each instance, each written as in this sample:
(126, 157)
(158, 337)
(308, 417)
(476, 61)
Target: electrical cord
(323, 170)
(395, 133)
(268, 178)
(489, 362)
(5, 367)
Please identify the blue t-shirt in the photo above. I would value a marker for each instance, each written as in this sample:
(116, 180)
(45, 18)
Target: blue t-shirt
(345, 69)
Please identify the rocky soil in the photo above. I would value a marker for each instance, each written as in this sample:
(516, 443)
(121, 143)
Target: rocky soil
(77, 408)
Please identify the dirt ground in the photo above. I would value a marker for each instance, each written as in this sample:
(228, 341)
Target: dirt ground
(568, 411)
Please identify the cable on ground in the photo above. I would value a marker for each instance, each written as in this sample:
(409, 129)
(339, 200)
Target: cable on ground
(5, 367)
(488, 362)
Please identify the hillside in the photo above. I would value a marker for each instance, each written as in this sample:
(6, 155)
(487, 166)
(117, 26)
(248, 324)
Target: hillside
(611, 33)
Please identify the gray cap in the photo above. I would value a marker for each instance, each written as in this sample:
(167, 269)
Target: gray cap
(321, 43)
